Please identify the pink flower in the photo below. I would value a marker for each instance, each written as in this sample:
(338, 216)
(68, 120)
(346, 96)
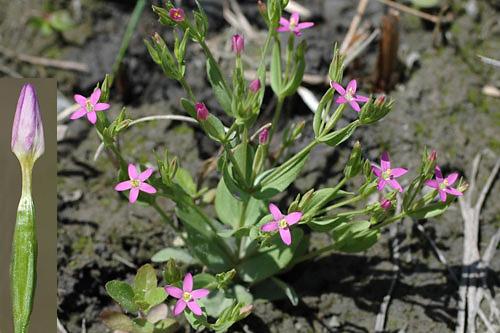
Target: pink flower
(238, 44)
(387, 175)
(282, 223)
(348, 95)
(385, 204)
(89, 106)
(293, 25)
(254, 86)
(176, 14)
(264, 136)
(201, 111)
(187, 296)
(136, 183)
(443, 185)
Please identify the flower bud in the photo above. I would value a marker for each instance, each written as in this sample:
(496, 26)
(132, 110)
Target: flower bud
(264, 136)
(432, 156)
(355, 162)
(254, 86)
(238, 44)
(27, 131)
(201, 111)
(385, 204)
(177, 14)
(379, 100)
(262, 8)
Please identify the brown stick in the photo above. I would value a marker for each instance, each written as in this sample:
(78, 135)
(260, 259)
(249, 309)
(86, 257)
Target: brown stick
(46, 62)
(411, 11)
(354, 26)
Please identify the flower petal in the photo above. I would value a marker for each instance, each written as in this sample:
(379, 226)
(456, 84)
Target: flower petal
(271, 226)
(432, 183)
(199, 293)
(132, 171)
(134, 194)
(376, 170)
(362, 99)
(275, 211)
(294, 18)
(94, 98)
(123, 186)
(283, 29)
(195, 308)
(145, 174)
(173, 291)
(187, 284)
(352, 85)
(101, 106)
(285, 23)
(337, 87)
(442, 195)
(80, 99)
(78, 114)
(439, 174)
(453, 191)
(395, 185)
(286, 236)
(452, 178)
(385, 163)
(398, 172)
(293, 218)
(179, 307)
(92, 117)
(355, 105)
(381, 184)
(341, 100)
(305, 25)
(145, 187)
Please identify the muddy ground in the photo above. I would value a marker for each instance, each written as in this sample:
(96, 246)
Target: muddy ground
(439, 105)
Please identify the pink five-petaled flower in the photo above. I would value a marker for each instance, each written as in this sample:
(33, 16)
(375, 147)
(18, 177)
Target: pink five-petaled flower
(348, 95)
(176, 14)
(388, 175)
(282, 223)
(89, 106)
(293, 25)
(136, 183)
(187, 296)
(443, 185)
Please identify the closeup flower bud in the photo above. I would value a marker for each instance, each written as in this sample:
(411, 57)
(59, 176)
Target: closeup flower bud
(27, 131)
(264, 136)
(201, 111)
(176, 14)
(385, 204)
(254, 86)
(432, 156)
(238, 44)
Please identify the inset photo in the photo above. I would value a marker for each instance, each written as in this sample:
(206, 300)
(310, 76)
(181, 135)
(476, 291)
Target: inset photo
(28, 205)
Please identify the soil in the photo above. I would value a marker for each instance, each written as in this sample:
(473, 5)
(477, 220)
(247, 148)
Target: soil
(439, 104)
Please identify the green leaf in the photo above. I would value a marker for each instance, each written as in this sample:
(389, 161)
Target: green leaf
(326, 224)
(168, 325)
(319, 199)
(280, 178)
(432, 210)
(117, 321)
(189, 107)
(276, 68)
(203, 280)
(337, 137)
(320, 111)
(355, 236)
(184, 179)
(230, 210)
(287, 290)
(122, 293)
(219, 88)
(298, 71)
(181, 255)
(60, 20)
(425, 3)
(145, 279)
(269, 261)
(155, 296)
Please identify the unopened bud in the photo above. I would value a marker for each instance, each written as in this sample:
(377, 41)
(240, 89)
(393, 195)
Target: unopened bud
(254, 86)
(238, 44)
(201, 111)
(27, 130)
(264, 136)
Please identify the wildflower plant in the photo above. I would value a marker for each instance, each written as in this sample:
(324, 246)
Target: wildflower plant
(250, 240)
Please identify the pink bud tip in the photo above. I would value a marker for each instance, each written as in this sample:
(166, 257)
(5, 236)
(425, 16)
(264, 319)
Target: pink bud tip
(385, 204)
(201, 111)
(176, 14)
(264, 136)
(27, 130)
(380, 100)
(432, 156)
(254, 86)
(238, 44)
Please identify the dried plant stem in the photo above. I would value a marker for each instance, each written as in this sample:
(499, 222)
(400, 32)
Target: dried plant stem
(354, 26)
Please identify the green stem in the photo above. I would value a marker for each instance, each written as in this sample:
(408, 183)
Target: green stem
(211, 58)
(188, 89)
(132, 24)
(276, 117)
(289, 53)
(345, 202)
(388, 221)
(313, 254)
